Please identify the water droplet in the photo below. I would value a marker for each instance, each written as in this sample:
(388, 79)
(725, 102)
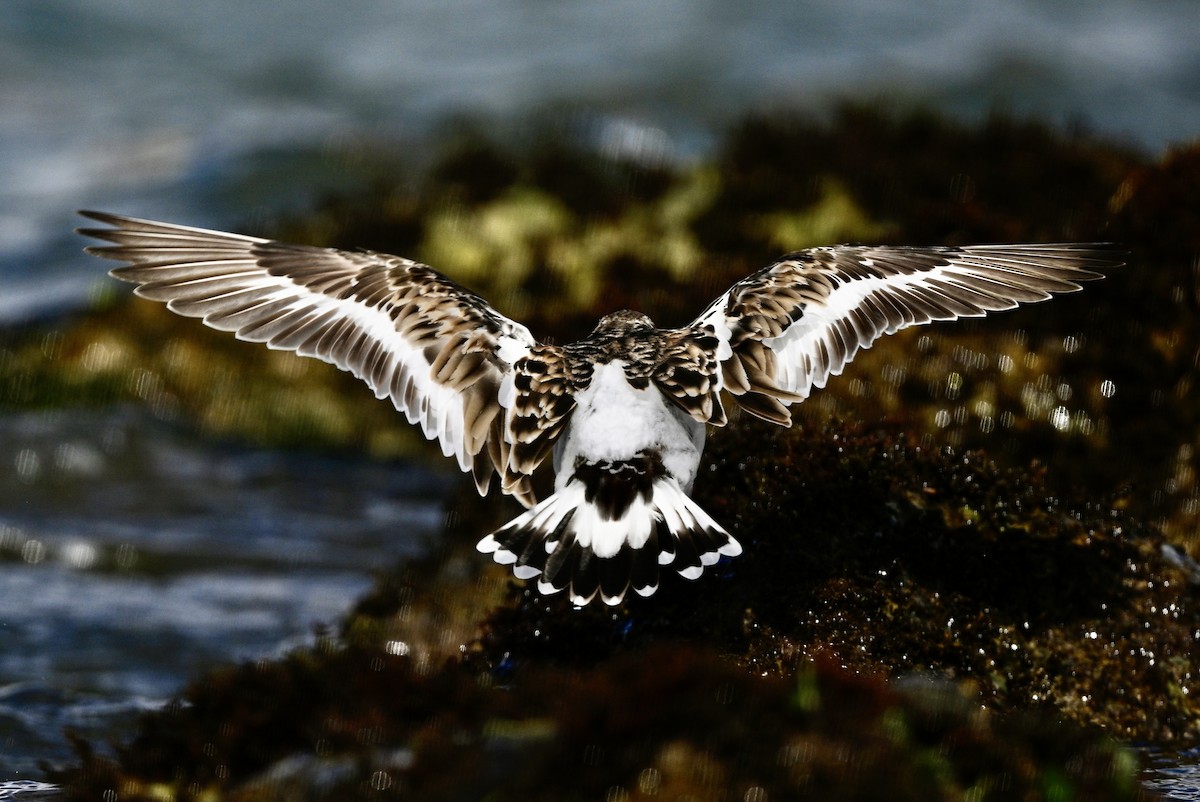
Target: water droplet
(28, 465)
(127, 556)
(33, 552)
(953, 385)
(79, 555)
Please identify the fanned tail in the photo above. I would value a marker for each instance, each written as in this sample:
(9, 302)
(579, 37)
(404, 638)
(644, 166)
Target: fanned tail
(609, 529)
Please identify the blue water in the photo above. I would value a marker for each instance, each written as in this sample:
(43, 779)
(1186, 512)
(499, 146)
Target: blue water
(1176, 776)
(133, 556)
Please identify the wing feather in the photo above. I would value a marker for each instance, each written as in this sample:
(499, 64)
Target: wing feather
(792, 325)
(437, 350)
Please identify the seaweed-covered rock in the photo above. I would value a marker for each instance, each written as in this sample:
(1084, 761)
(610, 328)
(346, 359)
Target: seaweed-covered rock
(665, 722)
(999, 611)
(984, 527)
(892, 557)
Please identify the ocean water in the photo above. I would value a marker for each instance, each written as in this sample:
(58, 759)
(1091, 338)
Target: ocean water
(160, 109)
(132, 556)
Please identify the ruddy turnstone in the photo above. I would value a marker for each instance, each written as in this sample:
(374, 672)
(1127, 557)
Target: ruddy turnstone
(623, 411)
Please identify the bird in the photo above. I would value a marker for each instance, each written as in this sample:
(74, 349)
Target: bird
(620, 415)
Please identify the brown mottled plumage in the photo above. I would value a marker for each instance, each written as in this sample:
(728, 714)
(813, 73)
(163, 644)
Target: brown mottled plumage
(623, 411)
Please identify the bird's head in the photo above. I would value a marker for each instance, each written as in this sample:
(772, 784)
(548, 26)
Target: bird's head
(622, 323)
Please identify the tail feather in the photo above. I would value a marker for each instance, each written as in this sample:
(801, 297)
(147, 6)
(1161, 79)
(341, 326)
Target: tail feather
(573, 567)
(643, 576)
(570, 544)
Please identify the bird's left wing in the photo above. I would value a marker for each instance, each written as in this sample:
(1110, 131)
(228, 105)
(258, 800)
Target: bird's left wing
(439, 351)
(793, 324)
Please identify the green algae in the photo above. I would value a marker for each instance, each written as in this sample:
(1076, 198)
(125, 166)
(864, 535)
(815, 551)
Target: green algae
(133, 351)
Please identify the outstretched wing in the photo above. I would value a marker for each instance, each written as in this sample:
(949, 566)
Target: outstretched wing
(439, 351)
(792, 325)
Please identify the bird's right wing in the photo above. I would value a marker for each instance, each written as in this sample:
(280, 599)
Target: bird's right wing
(437, 350)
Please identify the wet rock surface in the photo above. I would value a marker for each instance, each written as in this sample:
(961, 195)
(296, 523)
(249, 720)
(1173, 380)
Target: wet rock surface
(866, 548)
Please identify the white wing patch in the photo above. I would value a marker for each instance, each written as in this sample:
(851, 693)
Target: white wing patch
(438, 351)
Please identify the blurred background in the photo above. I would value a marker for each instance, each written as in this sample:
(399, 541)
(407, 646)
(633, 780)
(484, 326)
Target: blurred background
(189, 111)
(131, 555)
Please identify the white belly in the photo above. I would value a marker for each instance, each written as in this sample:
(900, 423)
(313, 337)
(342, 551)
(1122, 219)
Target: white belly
(613, 421)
